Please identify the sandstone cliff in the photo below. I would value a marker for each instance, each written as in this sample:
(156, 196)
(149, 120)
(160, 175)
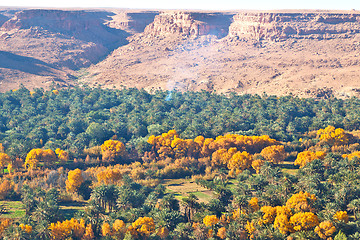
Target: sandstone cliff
(190, 24)
(132, 21)
(308, 53)
(281, 26)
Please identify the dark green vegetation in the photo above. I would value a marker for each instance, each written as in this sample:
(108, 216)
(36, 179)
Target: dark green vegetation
(75, 119)
(264, 198)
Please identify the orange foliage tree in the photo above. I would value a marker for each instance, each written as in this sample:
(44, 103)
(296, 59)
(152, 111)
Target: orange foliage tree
(143, 226)
(62, 155)
(274, 153)
(341, 216)
(109, 176)
(112, 150)
(74, 181)
(352, 155)
(67, 229)
(37, 155)
(4, 161)
(282, 222)
(4, 224)
(239, 162)
(5, 188)
(304, 221)
(325, 229)
(301, 201)
(306, 157)
(210, 220)
(254, 204)
(333, 136)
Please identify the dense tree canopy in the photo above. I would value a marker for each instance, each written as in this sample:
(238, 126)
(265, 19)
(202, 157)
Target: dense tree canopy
(74, 119)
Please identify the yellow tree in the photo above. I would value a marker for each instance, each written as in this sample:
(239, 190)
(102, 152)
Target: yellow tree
(26, 228)
(106, 229)
(35, 156)
(222, 156)
(221, 233)
(341, 216)
(4, 161)
(333, 136)
(162, 143)
(144, 226)
(283, 224)
(274, 153)
(269, 214)
(48, 156)
(325, 229)
(301, 201)
(32, 159)
(210, 220)
(67, 229)
(74, 181)
(62, 155)
(352, 155)
(109, 176)
(257, 164)
(239, 162)
(179, 147)
(306, 157)
(2, 149)
(254, 204)
(112, 149)
(89, 233)
(304, 221)
(119, 229)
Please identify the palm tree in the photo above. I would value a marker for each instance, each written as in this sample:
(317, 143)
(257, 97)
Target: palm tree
(354, 206)
(106, 196)
(191, 205)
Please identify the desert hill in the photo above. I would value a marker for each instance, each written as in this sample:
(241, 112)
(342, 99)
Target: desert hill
(305, 53)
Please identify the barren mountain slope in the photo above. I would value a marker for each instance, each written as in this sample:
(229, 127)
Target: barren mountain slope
(45, 46)
(308, 54)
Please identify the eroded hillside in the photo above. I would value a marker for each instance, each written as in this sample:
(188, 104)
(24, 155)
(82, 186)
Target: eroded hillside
(303, 53)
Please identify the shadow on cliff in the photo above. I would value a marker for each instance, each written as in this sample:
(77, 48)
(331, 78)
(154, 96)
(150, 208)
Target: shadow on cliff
(88, 26)
(3, 19)
(24, 64)
(219, 22)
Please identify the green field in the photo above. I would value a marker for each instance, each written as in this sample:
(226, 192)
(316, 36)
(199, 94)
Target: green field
(12, 209)
(15, 209)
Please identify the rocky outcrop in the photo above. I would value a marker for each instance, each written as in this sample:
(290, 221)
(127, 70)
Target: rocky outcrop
(190, 24)
(83, 25)
(3, 19)
(132, 22)
(278, 26)
(64, 39)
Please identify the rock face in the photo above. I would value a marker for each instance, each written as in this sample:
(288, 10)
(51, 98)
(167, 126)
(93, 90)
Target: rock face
(190, 24)
(313, 54)
(132, 22)
(280, 26)
(86, 26)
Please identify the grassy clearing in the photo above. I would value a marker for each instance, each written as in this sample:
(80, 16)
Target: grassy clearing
(289, 168)
(182, 187)
(13, 209)
(68, 210)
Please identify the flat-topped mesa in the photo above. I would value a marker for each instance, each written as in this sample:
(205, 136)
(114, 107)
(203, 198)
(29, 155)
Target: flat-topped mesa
(132, 22)
(277, 26)
(190, 24)
(84, 25)
(61, 20)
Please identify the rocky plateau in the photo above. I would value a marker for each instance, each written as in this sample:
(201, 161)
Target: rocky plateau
(304, 53)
